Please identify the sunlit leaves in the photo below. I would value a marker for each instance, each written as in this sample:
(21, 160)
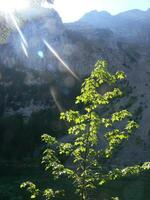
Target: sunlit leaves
(118, 116)
(48, 139)
(128, 171)
(69, 115)
(65, 148)
(120, 75)
(85, 150)
(31, 188)
(49, 194)
(131, 125)
(35, 193)
(85, 127)
(99, 76)
(114, 198)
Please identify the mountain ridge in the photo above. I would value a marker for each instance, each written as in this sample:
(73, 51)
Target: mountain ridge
(106, 13)
(26, 82)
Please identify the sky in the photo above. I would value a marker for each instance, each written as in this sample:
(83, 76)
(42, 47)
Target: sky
(72, 10)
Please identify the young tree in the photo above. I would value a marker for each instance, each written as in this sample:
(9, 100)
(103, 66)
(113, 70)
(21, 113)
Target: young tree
(88, 168)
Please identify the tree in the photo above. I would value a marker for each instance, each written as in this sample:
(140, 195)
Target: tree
(89, 167)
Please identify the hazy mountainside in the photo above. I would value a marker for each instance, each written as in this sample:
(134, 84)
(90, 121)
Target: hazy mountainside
(125, 39)
(33, 85)
(132, 25)
(47, 26)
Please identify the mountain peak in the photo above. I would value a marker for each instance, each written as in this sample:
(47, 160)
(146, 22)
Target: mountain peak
(95, 13)
(95, 16)
(104, 13)
(131, 13)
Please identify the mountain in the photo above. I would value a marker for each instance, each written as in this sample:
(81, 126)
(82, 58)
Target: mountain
(35, 85)
(126, 25)
(125, 40)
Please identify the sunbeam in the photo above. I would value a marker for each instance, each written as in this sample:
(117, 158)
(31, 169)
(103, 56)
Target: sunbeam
(60, 59)
(7, 6)
(18, 29)
(24, 50)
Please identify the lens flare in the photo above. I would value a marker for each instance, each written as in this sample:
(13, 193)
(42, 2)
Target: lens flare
(40, 54)
(60, 59)
(7, 6)
(24, 49)
(18, 29)
(53, 93)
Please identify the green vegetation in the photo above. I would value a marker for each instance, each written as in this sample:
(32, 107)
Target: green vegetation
(95, 139)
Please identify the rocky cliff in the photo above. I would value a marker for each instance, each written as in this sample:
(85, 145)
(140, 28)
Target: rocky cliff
(125, 41)
(35, 79)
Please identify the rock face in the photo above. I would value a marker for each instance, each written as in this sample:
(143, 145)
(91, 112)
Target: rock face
(125, 40)
(30, 71)
(130, 25)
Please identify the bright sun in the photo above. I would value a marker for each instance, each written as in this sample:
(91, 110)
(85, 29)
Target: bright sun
(9, 6)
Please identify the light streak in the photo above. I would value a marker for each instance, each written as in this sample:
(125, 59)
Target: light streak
(53, 93)
(18, 29)
(60, 59)
(24, 49)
